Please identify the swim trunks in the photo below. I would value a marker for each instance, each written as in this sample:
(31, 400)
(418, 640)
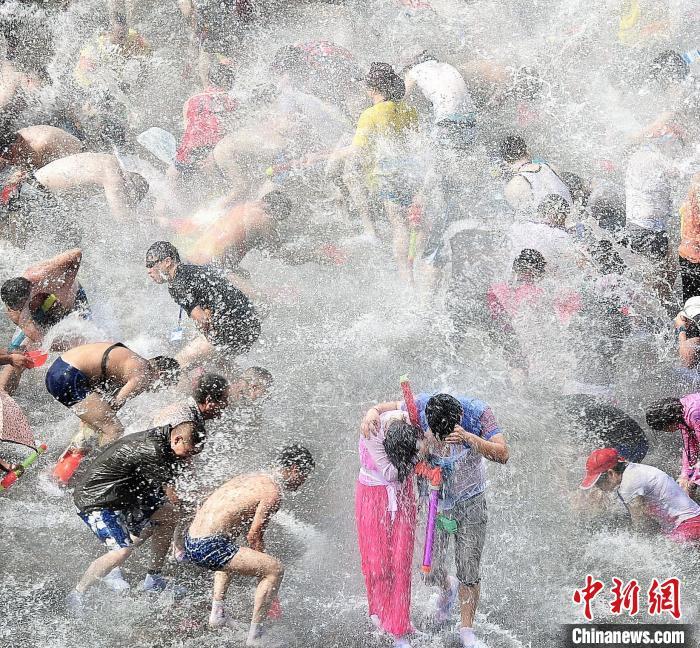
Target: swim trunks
(114, 529)
(211, 552)
(67, 384)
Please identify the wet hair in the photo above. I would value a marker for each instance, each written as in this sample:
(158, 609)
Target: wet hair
(277, 205)
(609, 215)
(298, 456)
(527, 83)
(664, 412)
(669, 66)
(168, 369)
(162, 250)
(136, 187)
(15, 292)
(212, 386)
(577, 186)
(606, 258)
(443, 412)
(530, 260)
(400, 445)
(257, 373)
(554, 210)
(382, 79)
(221, 73)
(512, 148)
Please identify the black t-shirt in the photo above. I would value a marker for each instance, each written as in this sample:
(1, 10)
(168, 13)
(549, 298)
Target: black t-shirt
(129, 473)
(201, 286)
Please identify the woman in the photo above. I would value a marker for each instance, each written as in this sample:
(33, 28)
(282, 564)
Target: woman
(671, 414)
(385, 513)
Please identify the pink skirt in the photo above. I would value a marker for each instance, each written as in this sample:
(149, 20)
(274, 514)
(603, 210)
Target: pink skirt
(386, 549)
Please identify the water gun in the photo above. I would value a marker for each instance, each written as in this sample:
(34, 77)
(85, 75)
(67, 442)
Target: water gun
(81, 444)
(16, 342)
(432, 474)
(15, 474)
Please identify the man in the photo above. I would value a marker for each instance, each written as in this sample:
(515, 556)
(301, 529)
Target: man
(681, 415)
(209, 399)
(463, 431)
(545, 230)
(442, 86)
(686, 326)
(122, 189)
(47, 293)
(252, 225)
(595, 421)
(689, 248)
(36, 146)
(645, 491)
(245, 504)
(122, 499)
(225, 317)
(95, 381)
(648, 210)
(531, 181)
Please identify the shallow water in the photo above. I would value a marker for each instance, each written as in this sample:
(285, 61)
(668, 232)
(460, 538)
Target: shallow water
(337, 346)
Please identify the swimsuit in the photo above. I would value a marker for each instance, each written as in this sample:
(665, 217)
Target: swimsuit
(211, 552)
(69, 385)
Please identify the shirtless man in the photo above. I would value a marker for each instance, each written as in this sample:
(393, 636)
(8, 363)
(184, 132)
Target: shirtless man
(123, 190)
(245, 504)
(96, 380)
(46, 293)
(36, 146)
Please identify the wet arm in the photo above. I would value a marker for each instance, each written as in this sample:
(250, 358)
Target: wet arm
(58, 272)
(201, 317)
(133, 387)
(266, 509)
(495, 449)
(688, 349)
(370, 421)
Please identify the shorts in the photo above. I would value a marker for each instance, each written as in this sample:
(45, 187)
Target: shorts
(211, 552)
(234, 336)
(67, 384)
(471, 517)
(114, 529)
(650, 244)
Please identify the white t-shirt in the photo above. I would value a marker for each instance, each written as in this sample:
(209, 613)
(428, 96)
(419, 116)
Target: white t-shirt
(658, 490)
(532, 183)
(443, 86)
(648, 190)
(556, 246)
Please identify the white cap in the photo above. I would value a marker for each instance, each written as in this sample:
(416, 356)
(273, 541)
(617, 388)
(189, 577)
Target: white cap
(692, 308)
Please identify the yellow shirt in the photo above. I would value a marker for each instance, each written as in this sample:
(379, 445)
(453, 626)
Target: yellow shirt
(386, 120)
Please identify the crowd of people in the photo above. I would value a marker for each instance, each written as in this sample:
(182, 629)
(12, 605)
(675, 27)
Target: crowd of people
(425, 157)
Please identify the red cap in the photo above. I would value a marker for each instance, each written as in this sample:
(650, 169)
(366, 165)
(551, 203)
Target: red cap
(598, 462)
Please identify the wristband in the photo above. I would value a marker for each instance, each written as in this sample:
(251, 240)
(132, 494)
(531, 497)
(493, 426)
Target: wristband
(681, 329)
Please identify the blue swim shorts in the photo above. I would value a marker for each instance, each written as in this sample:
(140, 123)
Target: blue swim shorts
(114, 528)
(67, 384)
(210, 552)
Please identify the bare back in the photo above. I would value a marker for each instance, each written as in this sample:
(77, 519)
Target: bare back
(79, 170)
(231, 508)
(122, 363)
(49, 143)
